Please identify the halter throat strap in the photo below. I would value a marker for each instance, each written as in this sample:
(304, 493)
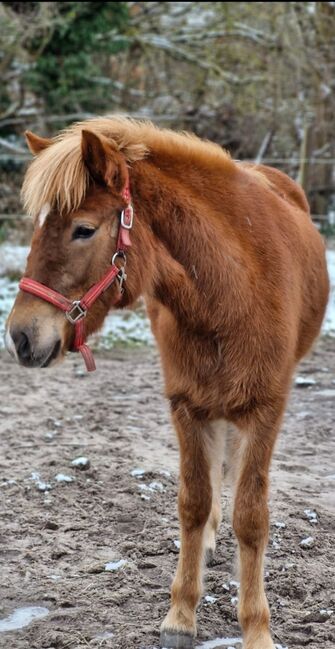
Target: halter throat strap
(76, 311)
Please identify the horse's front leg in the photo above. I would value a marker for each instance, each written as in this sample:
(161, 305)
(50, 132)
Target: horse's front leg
(194, 503)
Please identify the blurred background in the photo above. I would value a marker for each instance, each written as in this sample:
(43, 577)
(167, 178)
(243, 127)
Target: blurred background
(256, 77)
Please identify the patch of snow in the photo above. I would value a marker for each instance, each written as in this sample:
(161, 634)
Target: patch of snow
(328, 326)
(156, 486)
(115, 565)
(13, 259)
(104, 635)
(137, 473)
(304, 381)
(81, 462)
(280, 524)
(61, 477)
(167, 474)
(220, 642)
(326, 612)
(126, 326)
(153, 486)
(210, 600)
(54, 577)
(234, 583)
(8, 483)
(177, 543)
(40, 484)
(234, 601)
(328, 392)
(50, 434)
(21, 617)
(308, 542)
(311, 515)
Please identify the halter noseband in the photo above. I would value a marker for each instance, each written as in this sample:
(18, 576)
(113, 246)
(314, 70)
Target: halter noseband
(76, 311)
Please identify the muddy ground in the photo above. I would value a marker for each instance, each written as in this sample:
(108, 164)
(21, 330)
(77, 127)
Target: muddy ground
(54, 544)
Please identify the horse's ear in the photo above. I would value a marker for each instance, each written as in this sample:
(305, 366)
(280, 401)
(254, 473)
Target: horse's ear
(36, 143)
(105, 164)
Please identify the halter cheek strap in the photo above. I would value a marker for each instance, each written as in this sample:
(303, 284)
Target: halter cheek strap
(76, 311)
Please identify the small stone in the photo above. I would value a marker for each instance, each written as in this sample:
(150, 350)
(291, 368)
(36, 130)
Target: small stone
(51, 525)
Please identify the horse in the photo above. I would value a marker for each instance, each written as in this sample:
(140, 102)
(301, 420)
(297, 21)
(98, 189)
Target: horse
(233, 273)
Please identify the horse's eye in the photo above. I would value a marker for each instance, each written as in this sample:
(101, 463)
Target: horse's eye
(83, 232)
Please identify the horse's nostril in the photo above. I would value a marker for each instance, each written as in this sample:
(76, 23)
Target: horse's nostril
(22, 345)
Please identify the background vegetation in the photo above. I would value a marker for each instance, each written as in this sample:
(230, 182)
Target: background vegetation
(257, 77)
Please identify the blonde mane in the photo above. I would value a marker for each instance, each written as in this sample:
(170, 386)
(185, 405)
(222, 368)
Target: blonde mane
(59, 177)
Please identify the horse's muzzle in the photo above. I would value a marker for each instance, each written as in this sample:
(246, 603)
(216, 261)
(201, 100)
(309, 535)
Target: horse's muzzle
(21, 345)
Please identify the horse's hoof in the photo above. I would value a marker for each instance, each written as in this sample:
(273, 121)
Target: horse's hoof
(209, 557)
(175, 640)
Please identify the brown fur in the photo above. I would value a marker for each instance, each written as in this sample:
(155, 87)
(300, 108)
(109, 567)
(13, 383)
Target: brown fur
(234, 275)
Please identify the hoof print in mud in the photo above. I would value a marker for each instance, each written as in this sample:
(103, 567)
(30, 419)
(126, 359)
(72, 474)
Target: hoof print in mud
(173, 640)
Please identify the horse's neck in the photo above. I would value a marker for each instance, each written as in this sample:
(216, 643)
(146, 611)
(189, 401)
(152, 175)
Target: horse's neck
(195, 270)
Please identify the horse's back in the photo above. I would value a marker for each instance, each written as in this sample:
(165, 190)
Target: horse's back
(282, 184)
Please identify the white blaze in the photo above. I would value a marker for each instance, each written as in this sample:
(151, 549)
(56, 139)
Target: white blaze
(43, 214)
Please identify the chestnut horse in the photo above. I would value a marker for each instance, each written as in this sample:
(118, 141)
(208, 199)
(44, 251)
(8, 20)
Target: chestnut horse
(234, 276)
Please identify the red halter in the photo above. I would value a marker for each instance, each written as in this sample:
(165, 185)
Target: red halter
(76, 311)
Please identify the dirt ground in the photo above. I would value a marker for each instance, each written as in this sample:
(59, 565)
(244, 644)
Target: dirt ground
(54, 544)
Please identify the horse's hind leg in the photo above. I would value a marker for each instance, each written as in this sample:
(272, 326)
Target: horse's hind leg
(251, 524)
(194, 502)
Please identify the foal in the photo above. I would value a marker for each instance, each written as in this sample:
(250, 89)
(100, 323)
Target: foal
(234, 276)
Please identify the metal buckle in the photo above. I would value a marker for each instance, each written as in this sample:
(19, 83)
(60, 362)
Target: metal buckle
(76, 313)
(121, 276)
(127, 217)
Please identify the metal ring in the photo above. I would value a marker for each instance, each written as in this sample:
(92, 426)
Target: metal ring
(119, 253)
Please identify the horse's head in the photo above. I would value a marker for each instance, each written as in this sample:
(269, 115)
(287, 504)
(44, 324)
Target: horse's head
(76, 198)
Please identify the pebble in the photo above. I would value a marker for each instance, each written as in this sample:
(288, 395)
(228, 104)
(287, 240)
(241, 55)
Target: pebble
(280, 525)
(40, 484)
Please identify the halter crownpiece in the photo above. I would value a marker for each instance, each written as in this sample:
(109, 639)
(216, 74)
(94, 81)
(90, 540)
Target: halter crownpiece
(76, 311)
